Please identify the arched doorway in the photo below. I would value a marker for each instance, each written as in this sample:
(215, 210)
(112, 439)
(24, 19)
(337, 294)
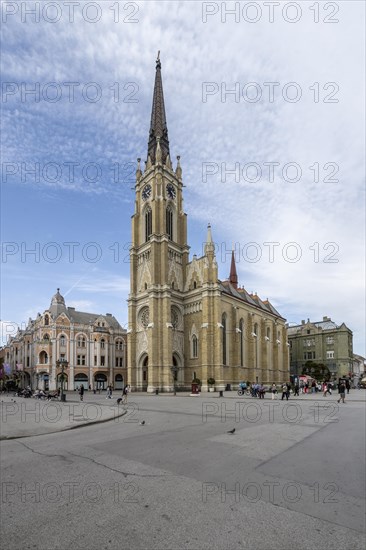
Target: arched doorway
(100, 381)
(42, 381)
(118, 382)
(81, 379)
(66, 381)
(143, 373)
(177, 371)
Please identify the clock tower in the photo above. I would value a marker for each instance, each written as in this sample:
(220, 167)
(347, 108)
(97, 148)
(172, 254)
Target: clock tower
(158, 260)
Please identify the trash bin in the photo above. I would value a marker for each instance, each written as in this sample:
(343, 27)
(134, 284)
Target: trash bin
(228, 387)
(156, 391)
(195, 388)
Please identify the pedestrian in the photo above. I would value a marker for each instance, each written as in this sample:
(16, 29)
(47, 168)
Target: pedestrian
(124, 394)
(348, 385)
(296, 389)
(288, 390)
(81, 392)
(274, 391)
(261, 391)
(109, 392)
(284, 391)
(342, 392)
(313, 386)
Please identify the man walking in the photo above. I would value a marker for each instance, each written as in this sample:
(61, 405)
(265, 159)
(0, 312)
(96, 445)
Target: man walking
(285, 392)
(342, 392)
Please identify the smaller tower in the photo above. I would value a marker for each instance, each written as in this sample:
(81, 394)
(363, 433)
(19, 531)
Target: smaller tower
(233, 279)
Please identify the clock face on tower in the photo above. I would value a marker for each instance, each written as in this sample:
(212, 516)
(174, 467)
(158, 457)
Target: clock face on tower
(146, 193)
(170, 191)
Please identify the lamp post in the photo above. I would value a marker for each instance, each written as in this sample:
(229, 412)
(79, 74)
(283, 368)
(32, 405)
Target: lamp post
(63, 364)
(174, 369)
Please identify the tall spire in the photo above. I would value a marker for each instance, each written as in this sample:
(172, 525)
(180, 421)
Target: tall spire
(233, 279)
(158, 126)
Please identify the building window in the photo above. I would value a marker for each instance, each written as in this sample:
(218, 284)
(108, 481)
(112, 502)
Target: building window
(95, 360)
(119, 345)
(194, 346)
(46, 320)
(330, 339)
(27, 361)
(330, 354)
(309, 343)
(102, 343)
(148, 224)
(62, 341)
(169, 223)
(241, 334)
(224, 349)
(102, 361)
(81, 342)
(308, 332)
(116, 361)
(78, 360)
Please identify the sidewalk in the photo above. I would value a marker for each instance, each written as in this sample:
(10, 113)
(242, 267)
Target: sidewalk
(22, 417)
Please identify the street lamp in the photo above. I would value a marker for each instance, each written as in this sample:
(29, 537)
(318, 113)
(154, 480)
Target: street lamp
(174, 369)
(63, 364)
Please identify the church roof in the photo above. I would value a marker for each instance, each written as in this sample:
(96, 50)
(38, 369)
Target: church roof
(251, 299)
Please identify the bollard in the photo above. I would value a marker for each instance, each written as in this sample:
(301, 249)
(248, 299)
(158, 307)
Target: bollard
(156, 392)
(221, 393)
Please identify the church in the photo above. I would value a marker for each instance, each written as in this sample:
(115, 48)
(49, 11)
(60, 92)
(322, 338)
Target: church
(184, 323)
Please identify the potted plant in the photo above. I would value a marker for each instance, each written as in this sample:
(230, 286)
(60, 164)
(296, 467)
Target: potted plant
(196, 383)
(211, 383)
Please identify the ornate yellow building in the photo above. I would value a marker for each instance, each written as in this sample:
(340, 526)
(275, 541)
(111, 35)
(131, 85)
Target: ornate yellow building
(93, 345)
(185, 323)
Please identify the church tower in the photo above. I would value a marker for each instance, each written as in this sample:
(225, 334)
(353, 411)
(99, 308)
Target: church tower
(158, 259)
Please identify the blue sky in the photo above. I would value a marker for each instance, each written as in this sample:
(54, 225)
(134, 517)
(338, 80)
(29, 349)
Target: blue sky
(309, 136)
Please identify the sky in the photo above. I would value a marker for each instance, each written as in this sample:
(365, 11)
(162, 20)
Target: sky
(265, 106)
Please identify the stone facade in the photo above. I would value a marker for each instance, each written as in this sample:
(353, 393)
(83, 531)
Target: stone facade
(183, 321)
(93, 345)
(321, 342)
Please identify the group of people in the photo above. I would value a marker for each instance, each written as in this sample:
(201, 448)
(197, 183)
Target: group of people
(258, 390)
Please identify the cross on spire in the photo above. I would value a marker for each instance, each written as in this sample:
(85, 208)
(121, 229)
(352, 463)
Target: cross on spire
(158, 125)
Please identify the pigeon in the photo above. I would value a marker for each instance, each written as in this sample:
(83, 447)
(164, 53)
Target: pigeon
(231, 431)
(119, 400)
(142, 423)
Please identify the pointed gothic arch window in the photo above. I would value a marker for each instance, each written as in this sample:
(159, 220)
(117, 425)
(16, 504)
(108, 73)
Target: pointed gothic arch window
(148, 223)
(224, 347)
(194, 346)
(46, 320)
(241, 333)
(169, 222)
